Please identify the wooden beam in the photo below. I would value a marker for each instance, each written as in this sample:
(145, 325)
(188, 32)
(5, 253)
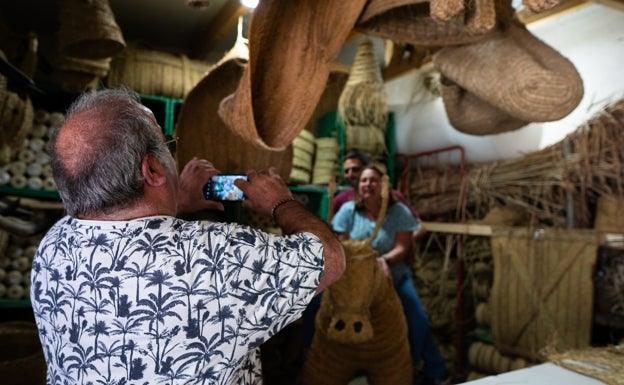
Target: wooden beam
(224, 22)
(458, 228)
(565, 6)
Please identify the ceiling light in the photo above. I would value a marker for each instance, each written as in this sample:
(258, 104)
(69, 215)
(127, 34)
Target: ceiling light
(249, 3)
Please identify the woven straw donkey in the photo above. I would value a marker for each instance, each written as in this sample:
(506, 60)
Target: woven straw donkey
(360, 326)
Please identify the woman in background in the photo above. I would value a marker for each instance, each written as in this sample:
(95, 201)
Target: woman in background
(356, 220)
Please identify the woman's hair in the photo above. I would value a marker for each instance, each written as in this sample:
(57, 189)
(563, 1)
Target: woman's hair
(359, 201)
(106, 175)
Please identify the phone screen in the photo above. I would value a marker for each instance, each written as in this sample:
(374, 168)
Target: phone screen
(222, 188)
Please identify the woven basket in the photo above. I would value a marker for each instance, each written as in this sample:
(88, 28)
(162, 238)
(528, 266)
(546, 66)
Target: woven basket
(542, 289)
(526, 79)
(203, 134)
(474, 116)
(292, 46)
(21, 356)
(367, 139)
(363, 99)
(155, 72)
(415, 22)
(16, 120)
(87, 29)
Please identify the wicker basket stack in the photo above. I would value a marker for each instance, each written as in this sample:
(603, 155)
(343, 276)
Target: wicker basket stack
(326, 161)
(303, 157)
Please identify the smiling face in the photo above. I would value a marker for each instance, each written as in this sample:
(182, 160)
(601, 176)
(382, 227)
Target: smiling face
(351, 171)
(369, 186)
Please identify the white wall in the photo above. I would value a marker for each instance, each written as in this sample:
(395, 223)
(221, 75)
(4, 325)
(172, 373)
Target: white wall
(592, 38)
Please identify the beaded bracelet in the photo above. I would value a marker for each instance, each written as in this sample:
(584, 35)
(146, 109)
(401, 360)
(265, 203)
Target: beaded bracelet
(277, 205)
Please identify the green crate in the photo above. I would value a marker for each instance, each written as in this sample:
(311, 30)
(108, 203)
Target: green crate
(161, 107)
(314, 198)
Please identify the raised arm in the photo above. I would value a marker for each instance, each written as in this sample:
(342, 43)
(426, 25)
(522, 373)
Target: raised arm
(268, 194)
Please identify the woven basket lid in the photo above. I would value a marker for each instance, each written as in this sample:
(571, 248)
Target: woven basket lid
(87, 29)
(203, 134)
(515, 72)
(471, 115)
(291, 45)
(440, 23)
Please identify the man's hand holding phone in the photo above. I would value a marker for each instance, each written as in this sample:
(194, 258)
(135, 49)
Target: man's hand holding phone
(192, 178)
(222, 188)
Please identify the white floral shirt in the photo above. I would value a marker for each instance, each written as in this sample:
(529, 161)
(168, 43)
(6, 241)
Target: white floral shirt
(161, 300)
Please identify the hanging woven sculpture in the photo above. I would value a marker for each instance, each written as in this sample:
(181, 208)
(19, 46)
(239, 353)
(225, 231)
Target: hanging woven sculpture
(363, 107)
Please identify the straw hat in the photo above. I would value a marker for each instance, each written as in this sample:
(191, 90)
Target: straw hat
(203, 134)
(433, 23)
(471, 115)
(516, 73)
(291, 45)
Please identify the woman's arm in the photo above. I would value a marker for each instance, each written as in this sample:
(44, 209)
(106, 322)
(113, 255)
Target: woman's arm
(402, 242)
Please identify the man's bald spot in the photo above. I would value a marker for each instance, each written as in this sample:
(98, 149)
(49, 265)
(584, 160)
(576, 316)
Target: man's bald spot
(80, 136)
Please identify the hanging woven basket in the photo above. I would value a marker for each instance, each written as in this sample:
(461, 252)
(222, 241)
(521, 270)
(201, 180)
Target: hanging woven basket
(292, 44)
(203, 134)
(87, 29)
(515, 72)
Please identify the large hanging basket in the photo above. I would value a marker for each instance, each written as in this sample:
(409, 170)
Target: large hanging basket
(292, 44)
(87, 29)
(515, 73)
(423, 24)
(203, 134)
(155, 72)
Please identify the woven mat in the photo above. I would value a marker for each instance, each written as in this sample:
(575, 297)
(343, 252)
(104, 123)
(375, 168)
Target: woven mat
(542, 289)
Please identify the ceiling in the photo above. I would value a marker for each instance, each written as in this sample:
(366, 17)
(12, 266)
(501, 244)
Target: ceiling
(169, 25)
(172, 25)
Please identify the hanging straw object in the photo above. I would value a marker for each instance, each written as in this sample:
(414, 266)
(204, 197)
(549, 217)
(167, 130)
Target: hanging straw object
(363, 99)
(474, 116)
(203, 134)
(362, 106)
(87, 29)
(432, 23)
(292, 45)
(516, 73)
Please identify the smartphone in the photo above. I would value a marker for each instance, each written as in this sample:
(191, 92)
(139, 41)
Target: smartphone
(222, 188)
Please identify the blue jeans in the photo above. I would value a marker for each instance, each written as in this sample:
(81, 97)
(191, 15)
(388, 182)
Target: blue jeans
(422, 342)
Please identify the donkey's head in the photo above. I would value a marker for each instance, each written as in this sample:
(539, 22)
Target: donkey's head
(352, 296)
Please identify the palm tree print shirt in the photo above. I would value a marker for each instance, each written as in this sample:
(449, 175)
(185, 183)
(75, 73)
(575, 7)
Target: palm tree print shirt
(161, 300)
